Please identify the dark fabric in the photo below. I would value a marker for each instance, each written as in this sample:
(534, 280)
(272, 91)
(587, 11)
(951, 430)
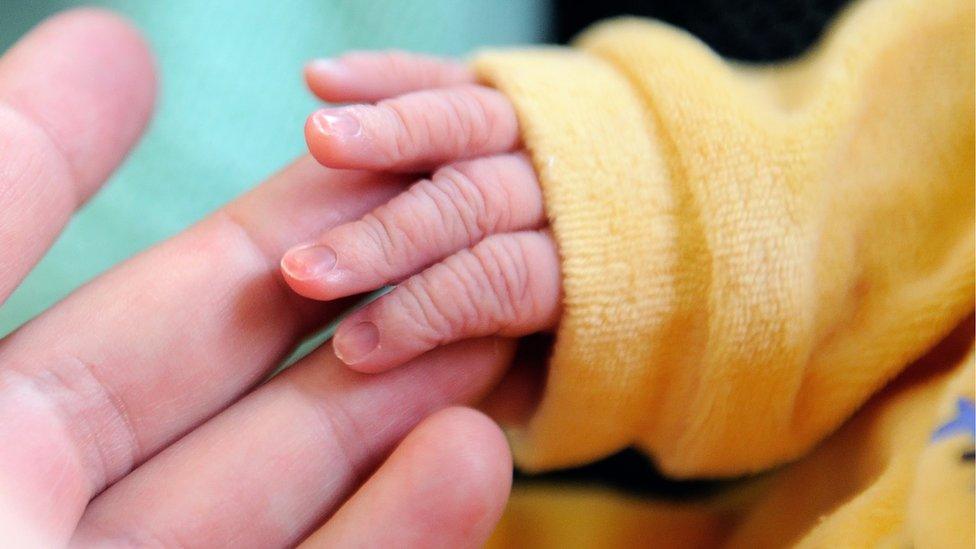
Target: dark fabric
(631, 473)
(750, 30)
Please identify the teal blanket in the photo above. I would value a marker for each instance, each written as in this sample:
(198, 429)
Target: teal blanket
(231, 107)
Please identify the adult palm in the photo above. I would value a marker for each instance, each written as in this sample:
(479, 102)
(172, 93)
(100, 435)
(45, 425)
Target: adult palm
(133, 411)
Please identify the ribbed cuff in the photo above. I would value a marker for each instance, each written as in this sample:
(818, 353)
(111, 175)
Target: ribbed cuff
(610, 204)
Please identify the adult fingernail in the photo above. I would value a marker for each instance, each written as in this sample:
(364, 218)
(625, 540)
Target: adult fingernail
(308, 262)
(336, 122)
(354, 344)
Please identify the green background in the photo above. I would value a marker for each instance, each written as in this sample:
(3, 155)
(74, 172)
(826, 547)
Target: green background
(231, 106)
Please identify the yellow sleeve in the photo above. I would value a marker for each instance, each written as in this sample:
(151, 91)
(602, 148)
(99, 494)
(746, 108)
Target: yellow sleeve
(749, 253)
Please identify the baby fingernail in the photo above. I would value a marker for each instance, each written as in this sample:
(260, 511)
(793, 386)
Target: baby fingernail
(309, 262)
(354, 344)
(326, 66)
(336, 122)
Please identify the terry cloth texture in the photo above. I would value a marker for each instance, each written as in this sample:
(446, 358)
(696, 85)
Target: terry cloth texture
(749, 252)
(899, 474)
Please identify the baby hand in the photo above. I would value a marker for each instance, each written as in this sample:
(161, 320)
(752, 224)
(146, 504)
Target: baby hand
(468, 248)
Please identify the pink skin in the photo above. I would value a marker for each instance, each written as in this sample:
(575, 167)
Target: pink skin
(414, 131)
(64, 132)
(416, 492)
(128, 412)
(290, 453)
(373, 76)
(468, 248)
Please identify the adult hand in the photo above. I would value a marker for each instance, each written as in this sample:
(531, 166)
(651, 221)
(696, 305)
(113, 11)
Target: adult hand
(127, 413)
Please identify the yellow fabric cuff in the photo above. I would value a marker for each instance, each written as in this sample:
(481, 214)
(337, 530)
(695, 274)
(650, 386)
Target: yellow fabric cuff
(749, 253)
(596, 151)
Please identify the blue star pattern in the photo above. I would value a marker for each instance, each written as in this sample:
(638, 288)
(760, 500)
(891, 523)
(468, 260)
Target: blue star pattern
(963, 422)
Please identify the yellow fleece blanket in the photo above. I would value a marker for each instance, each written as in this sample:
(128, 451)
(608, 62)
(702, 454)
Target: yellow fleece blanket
(750, 253)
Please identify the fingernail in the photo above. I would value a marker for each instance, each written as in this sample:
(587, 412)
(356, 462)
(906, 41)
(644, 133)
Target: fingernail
(354, 344)
(326, 66)
(336, 122)
(308, 262)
